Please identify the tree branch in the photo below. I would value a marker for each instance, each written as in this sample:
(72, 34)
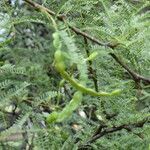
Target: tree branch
(62, 17)
(104, 131)
(136, 77)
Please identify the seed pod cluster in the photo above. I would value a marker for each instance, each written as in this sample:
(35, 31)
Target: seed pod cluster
(77, 97)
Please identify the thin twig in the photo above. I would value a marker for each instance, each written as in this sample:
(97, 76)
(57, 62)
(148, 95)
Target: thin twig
(93, 39)
(105, 131)
(62, 17)
(136, 77)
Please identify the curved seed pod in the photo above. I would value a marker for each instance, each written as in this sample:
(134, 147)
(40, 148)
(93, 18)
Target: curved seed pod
(76, 100)
(52, 117)
(67, 111)
(73, 105)
(92, 56)
(58, 56)
(84, 89)
(60, 65)
(56, 41)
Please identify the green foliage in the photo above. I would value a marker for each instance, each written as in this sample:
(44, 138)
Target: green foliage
(58, 89)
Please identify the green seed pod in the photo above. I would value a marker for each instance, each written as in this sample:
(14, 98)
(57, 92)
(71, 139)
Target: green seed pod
(75, 102)
(116, 92)
(92, 55)
(66, 113)
(58, 56)
(52, 117)
(62, 82)
(77, 96)
(56, 41)
(55, 35)
(73, 105)
(60, 65)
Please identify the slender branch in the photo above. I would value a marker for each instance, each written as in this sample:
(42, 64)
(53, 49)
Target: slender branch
(104, 131)
(136, 77)
(93, 39)
(39, 7)
(62, 17)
